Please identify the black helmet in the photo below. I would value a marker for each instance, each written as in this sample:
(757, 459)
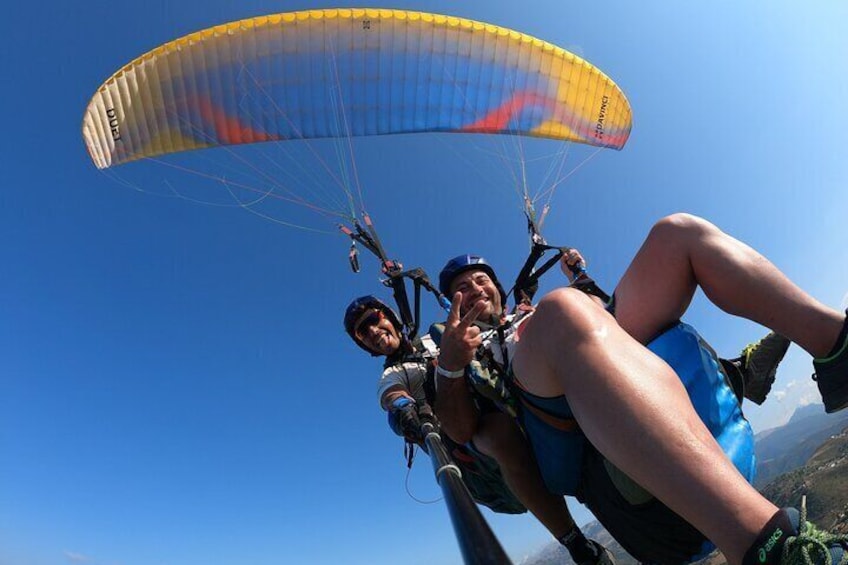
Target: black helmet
(462, 263)
(356, 308)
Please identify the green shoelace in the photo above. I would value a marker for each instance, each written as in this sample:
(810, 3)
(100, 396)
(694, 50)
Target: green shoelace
(812, 546)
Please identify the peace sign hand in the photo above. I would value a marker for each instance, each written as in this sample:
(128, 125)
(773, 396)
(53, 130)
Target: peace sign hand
(460, 339)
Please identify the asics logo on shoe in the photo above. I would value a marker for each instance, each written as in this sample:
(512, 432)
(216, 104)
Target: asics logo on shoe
(773, 539)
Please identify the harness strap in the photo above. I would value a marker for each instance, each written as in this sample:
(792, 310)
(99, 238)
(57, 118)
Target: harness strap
(408, 452)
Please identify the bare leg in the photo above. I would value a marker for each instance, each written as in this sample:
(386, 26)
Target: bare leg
(634, 410)
(683, 252)
(499, 437)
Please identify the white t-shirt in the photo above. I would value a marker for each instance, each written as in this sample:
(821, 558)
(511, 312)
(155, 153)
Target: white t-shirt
(410, 375)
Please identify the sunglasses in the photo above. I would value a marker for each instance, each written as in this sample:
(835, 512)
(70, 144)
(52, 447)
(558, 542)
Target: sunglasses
(372, 319)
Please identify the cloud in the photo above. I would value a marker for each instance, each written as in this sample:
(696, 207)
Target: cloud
(791, 384)
(810, 398)
(778, 395)
(75, 557)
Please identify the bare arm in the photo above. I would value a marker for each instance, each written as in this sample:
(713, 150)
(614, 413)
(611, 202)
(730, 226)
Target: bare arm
(454, 406)
(392, 394)
(456, 411)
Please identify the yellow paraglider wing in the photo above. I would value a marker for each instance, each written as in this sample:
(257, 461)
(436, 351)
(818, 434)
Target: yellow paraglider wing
(349, 72)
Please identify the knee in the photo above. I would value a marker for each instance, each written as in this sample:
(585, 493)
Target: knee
(499, 437)
(567, 309)
(565, 328)
(509, 455)
(487, 443)
(681, 225)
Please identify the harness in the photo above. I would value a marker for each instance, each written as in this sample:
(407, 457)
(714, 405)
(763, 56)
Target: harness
(527, 282)
(396, 276)
(489, 375)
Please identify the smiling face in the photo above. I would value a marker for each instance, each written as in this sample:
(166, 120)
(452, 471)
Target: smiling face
(477, 286)
(376, 332)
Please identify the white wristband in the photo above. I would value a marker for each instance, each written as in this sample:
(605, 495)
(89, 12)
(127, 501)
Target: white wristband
(450, 374)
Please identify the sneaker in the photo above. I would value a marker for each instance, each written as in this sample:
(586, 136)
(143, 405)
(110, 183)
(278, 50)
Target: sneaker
(832, 377)
(601, 555)
(811, 546)
(759, 363)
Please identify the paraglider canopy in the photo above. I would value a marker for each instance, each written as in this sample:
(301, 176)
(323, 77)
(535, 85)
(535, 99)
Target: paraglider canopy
(349, 72)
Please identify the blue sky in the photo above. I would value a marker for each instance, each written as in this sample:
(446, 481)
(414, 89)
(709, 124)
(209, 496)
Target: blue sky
(175, 386)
